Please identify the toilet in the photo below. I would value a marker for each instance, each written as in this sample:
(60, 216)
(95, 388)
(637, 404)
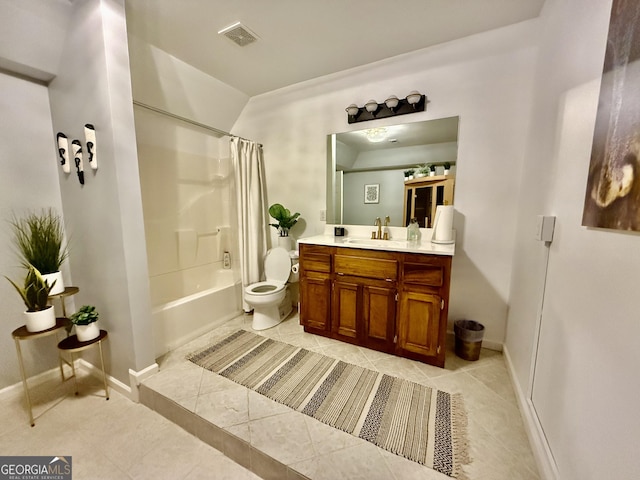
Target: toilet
(271, 299)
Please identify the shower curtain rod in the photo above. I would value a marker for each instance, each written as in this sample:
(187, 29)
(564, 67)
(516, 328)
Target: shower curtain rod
(183, 119)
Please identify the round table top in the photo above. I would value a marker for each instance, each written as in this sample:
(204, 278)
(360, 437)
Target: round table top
(22, 333)
(72, 344)
(67, 291)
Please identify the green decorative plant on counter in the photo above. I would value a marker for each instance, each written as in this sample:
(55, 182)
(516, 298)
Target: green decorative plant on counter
(39, 241)
(284, 217)
(85, 321)
(35, 295)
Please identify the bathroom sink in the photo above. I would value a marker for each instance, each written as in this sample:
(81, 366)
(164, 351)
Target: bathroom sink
(375, 243)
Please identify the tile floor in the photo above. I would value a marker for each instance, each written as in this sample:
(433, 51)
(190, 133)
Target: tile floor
(111, 440)
(279, 443)
(119, 439)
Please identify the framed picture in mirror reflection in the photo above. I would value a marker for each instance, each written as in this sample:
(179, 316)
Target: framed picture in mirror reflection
(372, 193)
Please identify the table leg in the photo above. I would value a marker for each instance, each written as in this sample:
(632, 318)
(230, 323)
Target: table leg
(104, 374)
(24, 382)
(73, 370)
(60, 360)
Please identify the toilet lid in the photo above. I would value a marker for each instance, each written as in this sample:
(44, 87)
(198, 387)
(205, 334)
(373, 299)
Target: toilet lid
(277, 265)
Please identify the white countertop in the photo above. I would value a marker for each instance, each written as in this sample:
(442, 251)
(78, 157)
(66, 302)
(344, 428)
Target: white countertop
(357, 236)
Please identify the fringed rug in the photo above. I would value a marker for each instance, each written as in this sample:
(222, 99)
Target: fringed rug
(423, 424)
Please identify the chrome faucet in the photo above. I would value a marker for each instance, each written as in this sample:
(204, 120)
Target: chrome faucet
(379, 225)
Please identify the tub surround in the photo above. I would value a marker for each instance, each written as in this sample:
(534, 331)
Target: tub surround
(359, 236)
(386, 295)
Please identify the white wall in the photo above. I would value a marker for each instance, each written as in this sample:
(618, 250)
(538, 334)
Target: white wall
(104, 216)
(586, 378)
(29, 182)
(167, 83)
(486, 80)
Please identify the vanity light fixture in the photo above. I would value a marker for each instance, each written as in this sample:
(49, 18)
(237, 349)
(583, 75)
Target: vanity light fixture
(352, 110)
(413, 98)
(392, 102)
(392, 106)
(371, 106)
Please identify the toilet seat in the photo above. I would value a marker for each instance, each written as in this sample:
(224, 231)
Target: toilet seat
(277, 267)
(264, 288)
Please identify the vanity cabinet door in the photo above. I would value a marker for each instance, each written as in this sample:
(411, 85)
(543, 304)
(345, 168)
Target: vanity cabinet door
(379, 306)
(315, 302)
(346, 302)
(419, 322)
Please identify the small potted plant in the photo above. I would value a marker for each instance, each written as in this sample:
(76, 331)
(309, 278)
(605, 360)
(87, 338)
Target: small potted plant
(447, 168)
(432, 170)
(39, 238)
(35, 295)
(86, 322)
(422, 171)
(408, 174)
(285, 221)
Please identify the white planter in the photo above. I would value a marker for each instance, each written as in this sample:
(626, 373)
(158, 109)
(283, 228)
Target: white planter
(432, 174)
(41, 320)
(87, 332)
(286, 243)
(59, 285)
(446, 172)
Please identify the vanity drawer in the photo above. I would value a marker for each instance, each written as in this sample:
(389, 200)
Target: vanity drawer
(423, 274)
(317, 262)
(366, 267)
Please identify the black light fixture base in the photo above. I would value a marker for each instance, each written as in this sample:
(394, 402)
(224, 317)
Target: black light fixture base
(403, 108)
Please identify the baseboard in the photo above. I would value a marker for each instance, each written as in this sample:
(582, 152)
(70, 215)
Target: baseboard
(33, 381)
(490, 344)
(113, 382)
(136, 378)
(540, 447)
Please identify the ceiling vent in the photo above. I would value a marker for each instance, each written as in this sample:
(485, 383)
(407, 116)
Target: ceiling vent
(239, 34)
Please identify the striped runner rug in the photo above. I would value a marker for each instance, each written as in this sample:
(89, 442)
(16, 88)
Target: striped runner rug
(423, 424)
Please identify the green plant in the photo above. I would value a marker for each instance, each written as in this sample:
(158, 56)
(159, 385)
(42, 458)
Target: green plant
(38, 238)
(447, 166)
(408, 173)
(423, 169)
(284, 218)
(36, 290)
(86, 315)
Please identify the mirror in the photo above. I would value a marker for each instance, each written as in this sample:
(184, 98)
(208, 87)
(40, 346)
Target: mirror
(366, 170)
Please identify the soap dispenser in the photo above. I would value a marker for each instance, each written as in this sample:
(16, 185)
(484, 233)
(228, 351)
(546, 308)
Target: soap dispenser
(413, 231)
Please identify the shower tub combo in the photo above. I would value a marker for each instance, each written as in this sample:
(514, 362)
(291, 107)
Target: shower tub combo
(184, 309)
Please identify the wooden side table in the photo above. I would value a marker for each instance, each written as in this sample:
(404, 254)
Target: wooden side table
(72, 345)
(20, 334)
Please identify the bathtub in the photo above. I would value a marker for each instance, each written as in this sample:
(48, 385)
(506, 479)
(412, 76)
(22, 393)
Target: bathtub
(189, 303)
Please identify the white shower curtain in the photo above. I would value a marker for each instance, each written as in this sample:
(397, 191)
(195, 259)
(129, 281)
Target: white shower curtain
(248, 165)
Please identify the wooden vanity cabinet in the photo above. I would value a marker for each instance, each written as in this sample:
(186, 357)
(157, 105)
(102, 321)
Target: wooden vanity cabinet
(315, 288)
(364, 297)
(388, 301)
(423, 308)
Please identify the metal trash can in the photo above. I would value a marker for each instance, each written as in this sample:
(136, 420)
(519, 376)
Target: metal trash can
(469, 335)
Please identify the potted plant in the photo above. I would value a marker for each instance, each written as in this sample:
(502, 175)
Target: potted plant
(447, 168)
(86, 322)
(285, 221)
(35, 294)
(422, 170)
(408, 174)
(38, 238)
(432, 170)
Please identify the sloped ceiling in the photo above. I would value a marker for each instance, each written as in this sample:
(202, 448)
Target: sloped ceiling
(303, 39)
